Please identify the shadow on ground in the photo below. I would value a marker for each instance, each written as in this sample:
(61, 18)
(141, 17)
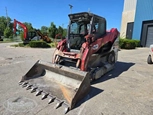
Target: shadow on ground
(119, 68)
(93, 92)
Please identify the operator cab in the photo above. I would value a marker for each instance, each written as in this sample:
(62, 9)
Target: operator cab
(82, 24)
(33, 36)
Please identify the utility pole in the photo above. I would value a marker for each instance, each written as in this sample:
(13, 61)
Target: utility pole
(70, 8)
(7, 16)
(89, 10)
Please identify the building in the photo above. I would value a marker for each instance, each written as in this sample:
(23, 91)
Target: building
(137, 21)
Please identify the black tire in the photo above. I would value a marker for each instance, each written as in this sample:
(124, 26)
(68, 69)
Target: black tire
(149, 60)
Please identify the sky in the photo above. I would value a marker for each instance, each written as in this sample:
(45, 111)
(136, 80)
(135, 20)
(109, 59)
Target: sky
(43, 12)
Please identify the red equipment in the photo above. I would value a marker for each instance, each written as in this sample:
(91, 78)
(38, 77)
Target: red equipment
(25, 29)
(88, 52)
(33, 35)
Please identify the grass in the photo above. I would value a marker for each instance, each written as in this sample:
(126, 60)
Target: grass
(6, 40)
(52, 45)
(9, 40)
(20, 45)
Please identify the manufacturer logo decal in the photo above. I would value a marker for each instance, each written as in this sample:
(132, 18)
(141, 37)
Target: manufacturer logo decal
(95, 47)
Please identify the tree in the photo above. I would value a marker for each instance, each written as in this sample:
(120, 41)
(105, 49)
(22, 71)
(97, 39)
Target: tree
(3, 24)
(60, 30)
(44, 29)
(52, 30)
(64, 32)
(8, 32)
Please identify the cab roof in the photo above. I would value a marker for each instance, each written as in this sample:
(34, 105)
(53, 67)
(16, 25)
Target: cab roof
(76, 16)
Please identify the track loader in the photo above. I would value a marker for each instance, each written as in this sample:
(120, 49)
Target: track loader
(87, 53)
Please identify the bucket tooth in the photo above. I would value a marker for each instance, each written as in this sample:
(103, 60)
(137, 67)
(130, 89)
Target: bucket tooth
(24, 84)
(20, 82)
(52, 98)
(66, 110)
(38, 92)
(59, 104)
(33, 89)
(28, 87)
(44, 96)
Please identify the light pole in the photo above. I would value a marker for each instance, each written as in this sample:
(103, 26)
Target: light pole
(70, 8)
(7, 17)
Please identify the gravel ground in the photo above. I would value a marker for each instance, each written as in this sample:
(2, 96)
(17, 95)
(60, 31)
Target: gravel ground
(127, 90)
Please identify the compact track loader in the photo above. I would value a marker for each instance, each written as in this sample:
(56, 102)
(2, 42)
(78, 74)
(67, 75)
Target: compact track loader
(87, 53)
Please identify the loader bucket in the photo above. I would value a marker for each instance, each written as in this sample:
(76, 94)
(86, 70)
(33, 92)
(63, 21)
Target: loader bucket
(60, 84)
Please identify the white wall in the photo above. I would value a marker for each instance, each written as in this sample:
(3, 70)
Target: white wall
(128, 15)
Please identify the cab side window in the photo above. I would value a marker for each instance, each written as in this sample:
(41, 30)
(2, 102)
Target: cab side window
(99, 27)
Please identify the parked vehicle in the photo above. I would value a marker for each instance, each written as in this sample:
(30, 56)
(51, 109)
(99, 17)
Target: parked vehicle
(31, 35)
(150, 56)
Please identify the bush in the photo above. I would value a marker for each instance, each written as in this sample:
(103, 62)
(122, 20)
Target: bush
(38, 44)
(7, 32)
(15, 45)
(53, 44)
(128, 43)
(11, 37)
(21, 45)
(137, 43)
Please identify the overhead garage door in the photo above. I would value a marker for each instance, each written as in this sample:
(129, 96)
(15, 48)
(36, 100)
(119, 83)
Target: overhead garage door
(149, 36)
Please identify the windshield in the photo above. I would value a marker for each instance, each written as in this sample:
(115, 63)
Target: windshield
(79, 27)
(74, 28)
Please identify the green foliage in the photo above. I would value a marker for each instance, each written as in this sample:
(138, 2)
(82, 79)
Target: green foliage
(38, 44)
(22, 36)
(15, 45)
(21, 31)
(53, 44)
(64, 32)
(18, 45)
(8, 32)
(3, 24)
(60, 30)
(44, 29)
(21, 45)
(28, 25)
(11, 36)
(137, 43)
(128, 43)
(52, 30)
